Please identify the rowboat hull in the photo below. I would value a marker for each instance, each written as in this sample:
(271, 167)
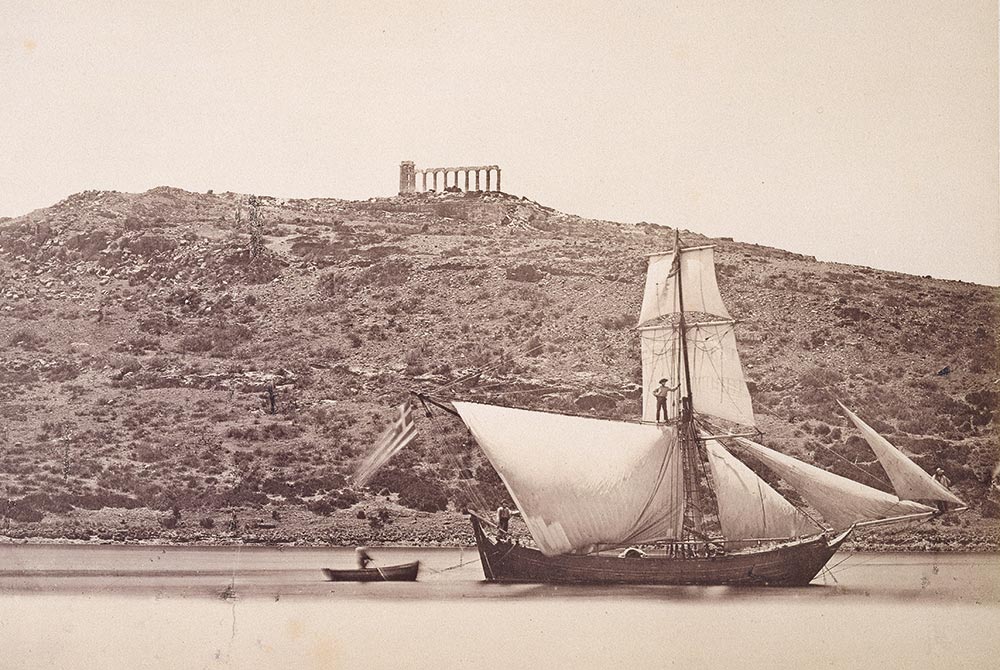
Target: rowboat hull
(791, 564)
(406, 572)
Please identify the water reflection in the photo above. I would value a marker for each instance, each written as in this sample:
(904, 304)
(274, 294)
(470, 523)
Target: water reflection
(268, 572)
(109, 607)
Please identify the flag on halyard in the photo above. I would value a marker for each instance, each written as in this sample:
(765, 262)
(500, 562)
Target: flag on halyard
(398, 435)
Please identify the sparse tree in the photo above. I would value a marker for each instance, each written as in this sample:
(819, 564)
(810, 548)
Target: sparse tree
(256, 226)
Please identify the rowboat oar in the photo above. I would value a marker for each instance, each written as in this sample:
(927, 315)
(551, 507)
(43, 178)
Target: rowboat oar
(380, 573)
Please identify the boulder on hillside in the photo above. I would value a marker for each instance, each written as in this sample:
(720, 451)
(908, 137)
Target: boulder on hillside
(525, 272)
(596, 401)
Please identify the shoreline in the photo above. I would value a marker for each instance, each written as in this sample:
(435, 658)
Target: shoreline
(862, 546)
(397, 527)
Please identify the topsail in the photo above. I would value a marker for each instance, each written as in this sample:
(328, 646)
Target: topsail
(717, 385)
(701, 289)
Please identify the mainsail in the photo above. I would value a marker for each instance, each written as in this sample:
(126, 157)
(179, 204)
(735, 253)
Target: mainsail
(840, 500)
(583, 484)
(908, 479)
(748, 506)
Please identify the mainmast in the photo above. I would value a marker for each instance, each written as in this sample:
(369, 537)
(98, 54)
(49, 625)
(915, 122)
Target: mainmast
(694, 522)
(687, 401)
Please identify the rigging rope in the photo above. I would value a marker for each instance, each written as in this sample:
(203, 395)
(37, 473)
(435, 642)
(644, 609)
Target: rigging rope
(854, 552)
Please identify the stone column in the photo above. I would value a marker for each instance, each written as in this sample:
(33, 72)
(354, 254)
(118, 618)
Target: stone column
(406, 177)
(489, 177)
(477, 179)
(498, 179)
(465, 173)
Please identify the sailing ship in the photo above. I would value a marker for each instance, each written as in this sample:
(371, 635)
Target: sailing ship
(678, 486)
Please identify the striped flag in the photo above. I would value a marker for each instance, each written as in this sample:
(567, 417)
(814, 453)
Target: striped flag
(398, 435)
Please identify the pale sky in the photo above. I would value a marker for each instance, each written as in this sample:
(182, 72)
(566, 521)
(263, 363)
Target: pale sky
(860, 132)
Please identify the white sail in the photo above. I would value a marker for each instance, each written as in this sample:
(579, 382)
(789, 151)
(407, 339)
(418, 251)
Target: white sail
(908, 479)
(583, 484)
(748, 506)
(701, 289)
(841, 501)
(718, 387)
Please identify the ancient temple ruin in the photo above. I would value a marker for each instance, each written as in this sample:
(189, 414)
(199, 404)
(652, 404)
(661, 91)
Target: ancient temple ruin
(447, 178)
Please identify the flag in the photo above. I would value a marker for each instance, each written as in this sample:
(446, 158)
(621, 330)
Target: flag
(398, 435)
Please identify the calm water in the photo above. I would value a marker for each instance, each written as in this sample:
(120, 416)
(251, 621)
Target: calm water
(145, 607)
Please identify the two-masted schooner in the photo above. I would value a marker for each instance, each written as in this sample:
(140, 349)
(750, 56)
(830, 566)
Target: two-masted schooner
(587, 488)
(674, 490)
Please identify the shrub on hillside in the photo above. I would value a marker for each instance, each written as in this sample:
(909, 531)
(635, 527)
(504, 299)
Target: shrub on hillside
(26, 339)
(415, 491)
(317, 250)
(219, 340)
(158, 324)
(88, 245)
(18, 510)
(385, 273)
(63, 371)
(151, 245)
(333, 501)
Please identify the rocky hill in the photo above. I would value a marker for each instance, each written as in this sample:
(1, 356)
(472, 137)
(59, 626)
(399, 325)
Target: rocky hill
(181, 366)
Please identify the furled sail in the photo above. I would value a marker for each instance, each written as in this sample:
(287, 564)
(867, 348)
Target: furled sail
(841, 501)
(748, 506)
(718, 386)
(908, 479)
(583, 484)
(701, 289)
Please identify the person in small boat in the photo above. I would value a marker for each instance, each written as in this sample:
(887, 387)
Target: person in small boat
(362, 556)
(503, 521)
(661, 393)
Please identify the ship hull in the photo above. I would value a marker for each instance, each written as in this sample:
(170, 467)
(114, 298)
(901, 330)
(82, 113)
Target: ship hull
(791, 564)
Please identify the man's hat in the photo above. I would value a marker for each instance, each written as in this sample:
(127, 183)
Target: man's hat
(663, 381)
(940, 470)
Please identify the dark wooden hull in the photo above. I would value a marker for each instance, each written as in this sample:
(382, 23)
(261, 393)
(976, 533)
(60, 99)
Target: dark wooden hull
(406, 572)
(791, 564)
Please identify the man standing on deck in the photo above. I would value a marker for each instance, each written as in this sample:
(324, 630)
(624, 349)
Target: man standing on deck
(661, 392)
(941, 478)
(503, 521)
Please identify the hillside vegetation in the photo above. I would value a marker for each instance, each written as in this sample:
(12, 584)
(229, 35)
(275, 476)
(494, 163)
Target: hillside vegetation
(161, 377)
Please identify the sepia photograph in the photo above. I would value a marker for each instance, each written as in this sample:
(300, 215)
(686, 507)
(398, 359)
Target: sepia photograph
(457, 333)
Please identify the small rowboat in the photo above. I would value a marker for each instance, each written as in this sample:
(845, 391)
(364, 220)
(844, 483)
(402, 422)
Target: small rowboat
(405, 572)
